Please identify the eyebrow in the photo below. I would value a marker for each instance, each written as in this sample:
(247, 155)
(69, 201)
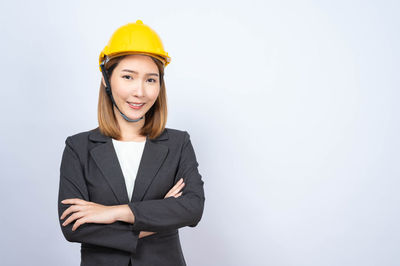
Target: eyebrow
(133, 71)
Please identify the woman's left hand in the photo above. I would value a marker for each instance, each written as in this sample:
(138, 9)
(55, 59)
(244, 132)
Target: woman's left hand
(87, 212)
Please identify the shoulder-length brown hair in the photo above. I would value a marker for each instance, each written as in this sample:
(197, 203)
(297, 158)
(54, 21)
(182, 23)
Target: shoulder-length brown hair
(155, 117)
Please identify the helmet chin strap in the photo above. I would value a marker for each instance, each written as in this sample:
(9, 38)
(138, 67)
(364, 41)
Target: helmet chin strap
(109, 93)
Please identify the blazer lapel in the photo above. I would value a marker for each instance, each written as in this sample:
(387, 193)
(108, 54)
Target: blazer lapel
(106, 159)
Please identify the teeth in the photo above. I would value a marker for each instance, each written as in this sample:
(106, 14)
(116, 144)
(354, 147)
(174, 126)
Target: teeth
(133, 104)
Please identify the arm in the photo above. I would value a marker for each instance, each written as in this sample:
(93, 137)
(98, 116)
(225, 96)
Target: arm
(118, 235)
(173, 213)
(123, 212)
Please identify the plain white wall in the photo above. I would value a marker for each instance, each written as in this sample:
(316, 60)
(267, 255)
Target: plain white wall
(292, 107)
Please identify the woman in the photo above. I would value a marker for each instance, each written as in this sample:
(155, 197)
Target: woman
(127, 186)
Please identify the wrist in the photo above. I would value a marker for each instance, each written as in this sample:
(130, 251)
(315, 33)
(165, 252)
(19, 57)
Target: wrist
(116, 212)
(123, 213)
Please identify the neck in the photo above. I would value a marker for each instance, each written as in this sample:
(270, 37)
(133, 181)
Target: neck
(130, 130)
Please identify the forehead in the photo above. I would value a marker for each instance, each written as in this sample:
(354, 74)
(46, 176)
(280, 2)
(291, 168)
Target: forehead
(138, 63)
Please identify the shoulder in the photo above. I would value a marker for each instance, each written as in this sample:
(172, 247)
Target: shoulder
(174, 132)
(79, 139)
(177, 135)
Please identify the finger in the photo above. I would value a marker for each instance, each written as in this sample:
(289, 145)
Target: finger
(179, 188)
(71, 209)
(72, 218)
(78, 223)
(74, 201)
(178, 195)
(180, 181)
(182, 185)
(177, 183)
(173, 189)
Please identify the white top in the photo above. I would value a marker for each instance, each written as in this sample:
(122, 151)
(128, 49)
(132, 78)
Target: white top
(129, 155)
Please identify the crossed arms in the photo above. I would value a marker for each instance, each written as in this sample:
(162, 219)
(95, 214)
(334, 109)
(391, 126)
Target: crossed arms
(118, 231)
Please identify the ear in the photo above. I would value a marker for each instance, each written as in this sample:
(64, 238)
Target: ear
(102, 80)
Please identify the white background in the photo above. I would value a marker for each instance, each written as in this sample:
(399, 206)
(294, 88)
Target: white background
(292, 108)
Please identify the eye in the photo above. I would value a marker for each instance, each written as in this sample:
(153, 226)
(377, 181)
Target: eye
(126, 77)
(153, 80)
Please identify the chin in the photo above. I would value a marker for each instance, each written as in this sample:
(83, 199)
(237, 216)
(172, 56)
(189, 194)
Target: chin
(134, 115)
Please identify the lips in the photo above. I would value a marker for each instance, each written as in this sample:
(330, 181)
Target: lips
(135, 105)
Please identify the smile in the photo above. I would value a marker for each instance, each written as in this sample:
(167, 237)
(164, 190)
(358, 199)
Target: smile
(135, 105)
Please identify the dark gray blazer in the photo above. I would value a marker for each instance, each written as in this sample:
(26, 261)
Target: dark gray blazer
(90, 170)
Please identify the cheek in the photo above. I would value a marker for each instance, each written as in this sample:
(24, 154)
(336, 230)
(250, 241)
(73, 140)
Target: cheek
(119, 90)
(153, 94)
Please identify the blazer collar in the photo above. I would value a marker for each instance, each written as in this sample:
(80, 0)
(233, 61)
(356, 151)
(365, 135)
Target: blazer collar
(106, 159)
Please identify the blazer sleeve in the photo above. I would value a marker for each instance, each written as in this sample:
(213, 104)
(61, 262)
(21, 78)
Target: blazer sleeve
(118, 235)
(173, 213)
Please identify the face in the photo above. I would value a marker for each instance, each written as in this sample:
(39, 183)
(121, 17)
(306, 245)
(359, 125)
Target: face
(135, 80)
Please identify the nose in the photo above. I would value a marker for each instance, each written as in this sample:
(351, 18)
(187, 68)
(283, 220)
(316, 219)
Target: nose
(138, 88)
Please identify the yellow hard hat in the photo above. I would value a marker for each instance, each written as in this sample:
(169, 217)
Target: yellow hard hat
(135, 38)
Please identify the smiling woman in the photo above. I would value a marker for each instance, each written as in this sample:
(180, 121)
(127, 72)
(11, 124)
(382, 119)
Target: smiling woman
(144, 75)
(127, 186)
(131, 83)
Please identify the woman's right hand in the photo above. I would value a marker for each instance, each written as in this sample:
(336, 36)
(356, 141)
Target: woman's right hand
(173, 192)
